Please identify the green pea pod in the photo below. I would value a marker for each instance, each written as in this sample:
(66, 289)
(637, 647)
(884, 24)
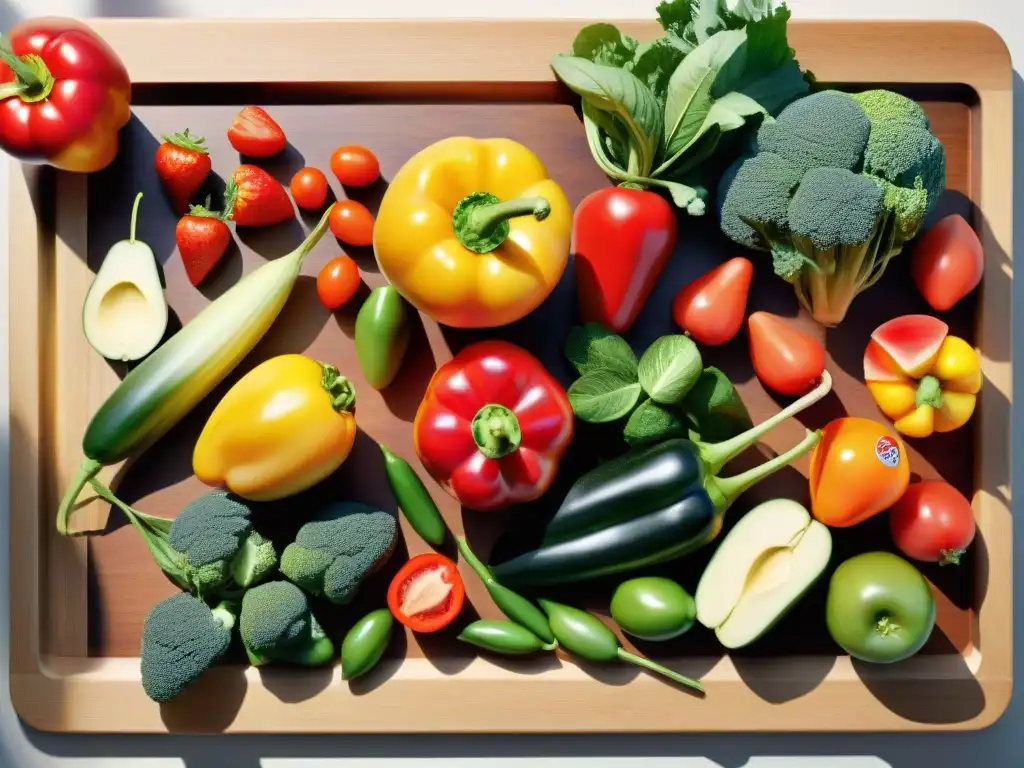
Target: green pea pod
(586, 636)
(382, 335)
(365, 643)
(414, 499)
(513, 605)
(505, 637)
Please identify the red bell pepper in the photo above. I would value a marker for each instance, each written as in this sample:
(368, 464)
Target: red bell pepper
(493, 426)
(64, 95)
(622, 239)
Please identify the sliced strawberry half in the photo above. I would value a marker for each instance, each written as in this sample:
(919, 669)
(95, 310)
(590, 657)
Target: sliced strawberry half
(905, 347)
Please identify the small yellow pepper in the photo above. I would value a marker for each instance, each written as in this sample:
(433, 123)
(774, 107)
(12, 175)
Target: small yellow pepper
(936, 395)
(282, 428)
(473, 233)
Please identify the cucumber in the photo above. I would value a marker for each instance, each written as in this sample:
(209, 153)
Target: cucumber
(168, 384)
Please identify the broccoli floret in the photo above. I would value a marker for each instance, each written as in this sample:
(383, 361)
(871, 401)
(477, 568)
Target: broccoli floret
(335, 551)
(181, 639)
(276, 624)
(834, 189)
(218, 545)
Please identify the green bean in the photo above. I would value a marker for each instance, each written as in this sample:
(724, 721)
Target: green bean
(504, 637)
(414, 499)
(365, 643)
(586, 636)
(513, 605)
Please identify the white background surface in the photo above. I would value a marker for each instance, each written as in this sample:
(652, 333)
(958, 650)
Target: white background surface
(20, 747)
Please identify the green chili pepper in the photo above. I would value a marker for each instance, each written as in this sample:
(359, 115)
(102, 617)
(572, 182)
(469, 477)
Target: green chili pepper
(513, 605)
(504, 637)
(586, 636)
(414, 499)
(382, 335)
(365, 643)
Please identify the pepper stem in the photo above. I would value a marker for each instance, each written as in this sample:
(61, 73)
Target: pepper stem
(481, 219)
(717, 455)
(135, 218)
(24, 73)
(496, 431)
(951, 556)
(640, 661)
(929, 392)
(341, 390)
(723, 491)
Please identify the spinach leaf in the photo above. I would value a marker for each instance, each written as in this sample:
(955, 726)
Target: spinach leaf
(592, 347)
(619, 92)
(601, 396)
(714, 408)
(604, 44)
(653, 63)
(669, 369)
(691, 22)
(653, 423)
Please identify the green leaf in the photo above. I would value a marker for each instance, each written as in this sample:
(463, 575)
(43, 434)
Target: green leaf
(653, 423)
(619, 92)
(604, 44)
(714, 407)
(592, 347)
(598, 141)
(669, 369)
(653, 64)
(601, 396)
(692, 22)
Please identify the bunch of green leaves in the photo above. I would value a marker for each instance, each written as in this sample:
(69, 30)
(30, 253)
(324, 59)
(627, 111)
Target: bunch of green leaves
(666, 393)
(658, 113)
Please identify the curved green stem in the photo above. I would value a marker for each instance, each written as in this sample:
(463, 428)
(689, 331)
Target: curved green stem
(135, 217)
(640, 661)
(21, 69)
(474, 562)
(481, 219)
(86, 472)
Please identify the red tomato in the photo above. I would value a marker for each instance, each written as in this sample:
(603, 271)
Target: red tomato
(309, 188)
(712, 307)
(351, 222)
(427, 593)
(337, 282)
(947, 262)
(932, 522)
(786, 360)
(355, 166)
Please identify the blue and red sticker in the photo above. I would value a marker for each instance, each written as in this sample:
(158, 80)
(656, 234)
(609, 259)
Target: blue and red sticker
(888, 451)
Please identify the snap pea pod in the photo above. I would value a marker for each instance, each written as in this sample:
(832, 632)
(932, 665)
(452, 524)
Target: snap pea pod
(505, 637)
(365, 643)
(414, 499)
(586, 636)
(513, 605)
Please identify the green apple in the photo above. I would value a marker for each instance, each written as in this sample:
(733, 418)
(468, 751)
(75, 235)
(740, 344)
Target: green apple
(879, 608)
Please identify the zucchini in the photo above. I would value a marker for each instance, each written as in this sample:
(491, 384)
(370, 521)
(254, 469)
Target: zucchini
(168, 384)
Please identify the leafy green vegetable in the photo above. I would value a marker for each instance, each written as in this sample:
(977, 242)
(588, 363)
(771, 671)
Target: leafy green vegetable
(653, 423)
(656, 112)
(602, 396)
(714, 408)
(669, 369)
(592, 347)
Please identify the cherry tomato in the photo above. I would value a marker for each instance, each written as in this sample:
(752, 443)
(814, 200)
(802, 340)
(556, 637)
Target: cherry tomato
(355, 166)
(427, 593)
(309, 188)
(947, 262)
(351, 222)
(712, 307)
(337, 282)
(932, 522)
(786, 360)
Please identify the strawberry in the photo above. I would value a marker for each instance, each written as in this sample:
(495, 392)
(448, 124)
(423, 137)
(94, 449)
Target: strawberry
(183, 163)
(203, 237)
(254, 133)
(258, 199)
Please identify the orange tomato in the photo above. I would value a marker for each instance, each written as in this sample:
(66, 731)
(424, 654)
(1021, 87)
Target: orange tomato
(858, 469)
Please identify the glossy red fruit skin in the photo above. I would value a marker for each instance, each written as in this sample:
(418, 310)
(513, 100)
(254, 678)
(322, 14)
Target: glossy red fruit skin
(254, 133)
(711, 308)
(258, 198)
(932, 522)
(202, 241)
(622, 239)
(947, 262)
(786, 360)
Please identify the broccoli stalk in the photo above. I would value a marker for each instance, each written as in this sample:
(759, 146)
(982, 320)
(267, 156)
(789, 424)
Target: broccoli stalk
(276, 624)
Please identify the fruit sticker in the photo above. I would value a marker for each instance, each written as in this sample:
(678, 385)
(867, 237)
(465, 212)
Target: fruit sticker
(887, 451)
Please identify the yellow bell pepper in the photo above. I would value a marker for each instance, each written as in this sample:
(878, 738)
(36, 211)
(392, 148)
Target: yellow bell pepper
(283, 427)
(473, 233)
(938, 395)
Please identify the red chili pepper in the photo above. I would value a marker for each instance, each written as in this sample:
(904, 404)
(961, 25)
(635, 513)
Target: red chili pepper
(493, 426)
(65, 95)
(427, 593)
(622, 240)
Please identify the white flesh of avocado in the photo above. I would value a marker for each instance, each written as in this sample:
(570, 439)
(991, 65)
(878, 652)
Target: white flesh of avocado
(765, 564)
(125, 312)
